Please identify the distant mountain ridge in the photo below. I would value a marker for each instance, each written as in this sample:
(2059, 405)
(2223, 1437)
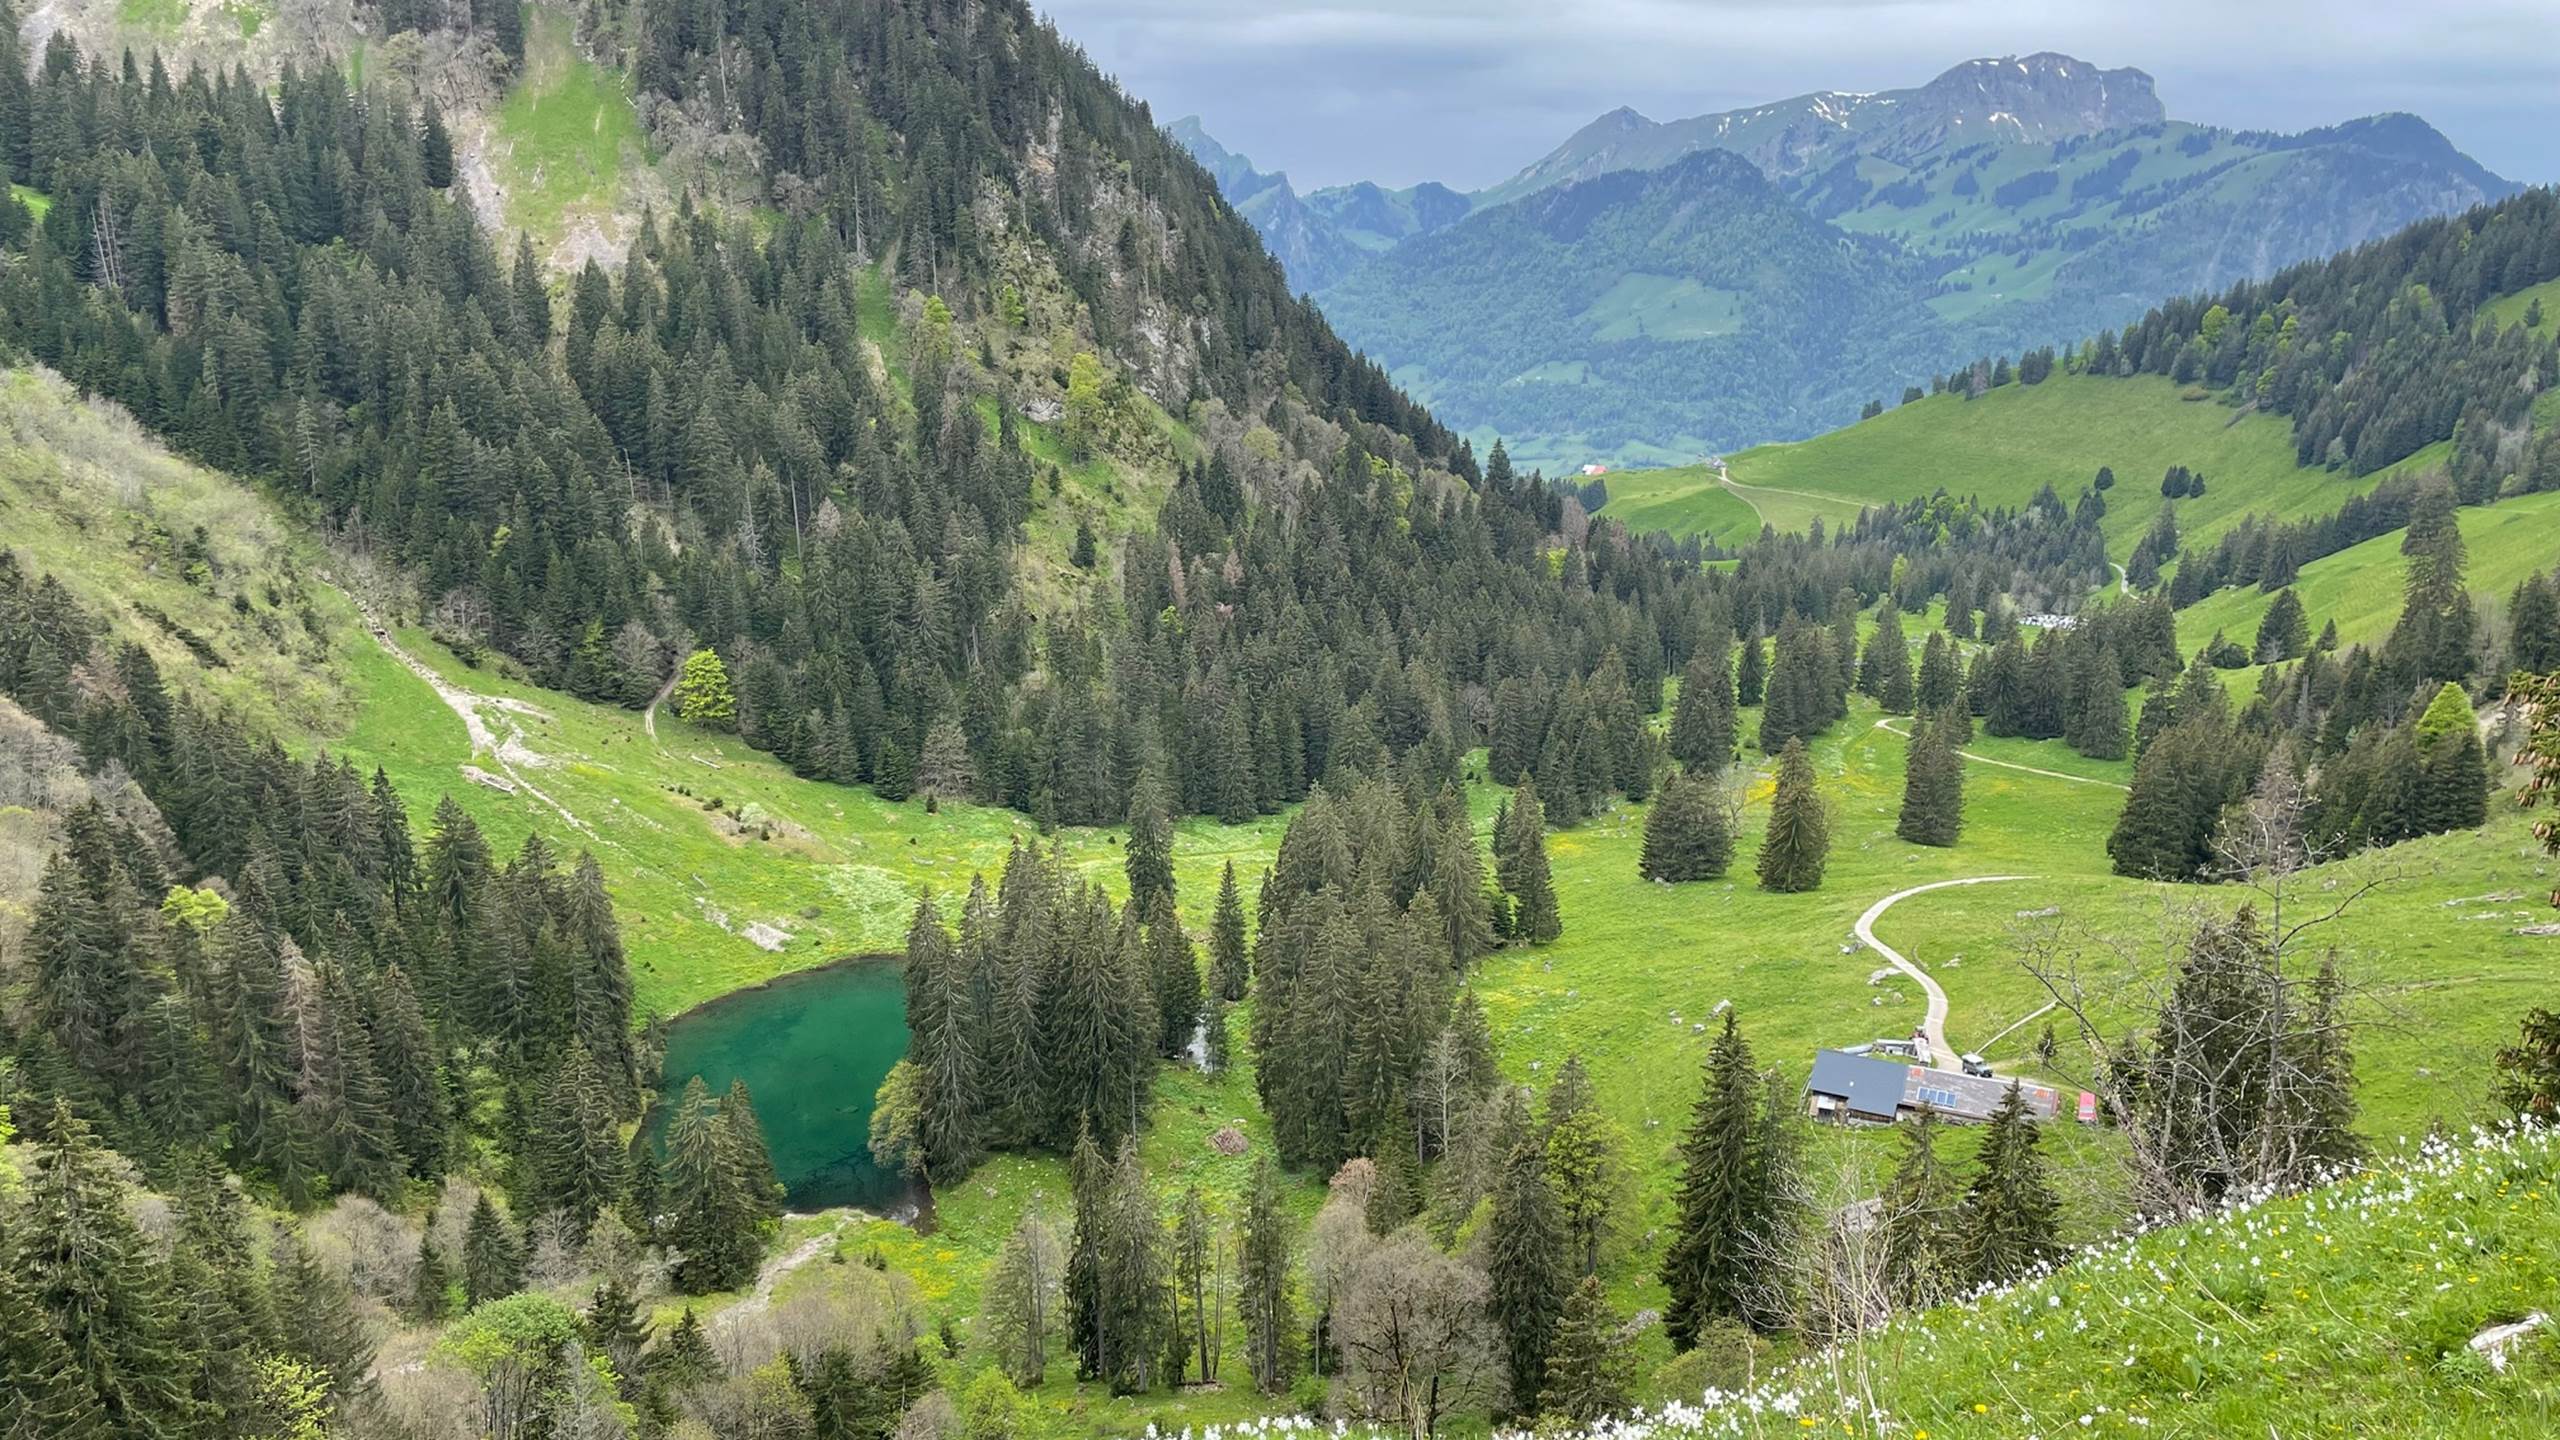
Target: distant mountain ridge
(2006, 203)
(2041, 98)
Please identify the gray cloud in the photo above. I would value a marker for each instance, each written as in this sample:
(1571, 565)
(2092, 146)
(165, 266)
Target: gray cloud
(1404, 90)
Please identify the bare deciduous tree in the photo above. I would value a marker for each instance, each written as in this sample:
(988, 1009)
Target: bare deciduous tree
(1416, 1335)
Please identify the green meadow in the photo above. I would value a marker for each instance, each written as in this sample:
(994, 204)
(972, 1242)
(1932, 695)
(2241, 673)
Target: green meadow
(2004, 448)
(563, 133)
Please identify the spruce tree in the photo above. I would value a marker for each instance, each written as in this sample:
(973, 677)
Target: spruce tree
(2453, 766)
(2007, 1222)
(82, 1265)
(1797, 843)
(1174, 970)
(1885, 674)
(430, 1293)
(1582, 1162)
(1089, 1183)
(1230, 970)
(492, 1259)
(1688, 834)
(1591, 1372)
(322, 1326)
(710, 1223)
(1923, 1260)
(1932, 787)
(617, 1328)
(1720, 1208)
(1458, 887)
(1751, 678)
(1703, 722)
(1941, 681)
(1520, 863)
(2284, 631)
(1264, 1301)
(1149, 859)
(1525, 1259)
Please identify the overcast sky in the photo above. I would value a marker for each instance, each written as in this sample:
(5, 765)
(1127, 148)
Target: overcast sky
(1468, 91)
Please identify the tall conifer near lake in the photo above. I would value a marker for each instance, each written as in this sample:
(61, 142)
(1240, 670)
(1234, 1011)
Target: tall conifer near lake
(1797, 843)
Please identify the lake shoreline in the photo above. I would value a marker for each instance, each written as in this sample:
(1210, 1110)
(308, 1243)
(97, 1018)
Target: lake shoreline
(702, 1009)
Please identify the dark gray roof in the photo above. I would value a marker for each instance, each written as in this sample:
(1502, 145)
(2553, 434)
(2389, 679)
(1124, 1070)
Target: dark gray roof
(1864, 1086)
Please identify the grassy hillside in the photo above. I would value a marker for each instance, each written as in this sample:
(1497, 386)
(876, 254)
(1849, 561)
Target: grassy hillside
(561, 137)
(2345, 1311)
(2360, 587)
(2009, 444)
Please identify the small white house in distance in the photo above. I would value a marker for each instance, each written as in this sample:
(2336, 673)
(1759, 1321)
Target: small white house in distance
(1595, 468)
(1853, 1089)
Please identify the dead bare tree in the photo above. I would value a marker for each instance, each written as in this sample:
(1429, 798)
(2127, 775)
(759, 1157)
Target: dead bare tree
(2225, 1055)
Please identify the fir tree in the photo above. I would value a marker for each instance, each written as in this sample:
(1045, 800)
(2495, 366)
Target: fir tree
(1798, 841)
(1751, 679)
(1175, 971)
(1582, 1162)
(2006, 1224)
(1941, 682)
(324, 1328)
(576, 1156)
(1089, 1180)
(430, 1293)
(617, 1328)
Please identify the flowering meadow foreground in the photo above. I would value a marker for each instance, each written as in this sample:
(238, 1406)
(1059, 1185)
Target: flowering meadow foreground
(2347, 1310)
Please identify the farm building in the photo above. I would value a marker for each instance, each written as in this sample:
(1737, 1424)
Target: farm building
(1861, 1089)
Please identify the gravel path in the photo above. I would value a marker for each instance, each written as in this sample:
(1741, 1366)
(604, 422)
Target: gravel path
(1887, 727)
(1933, 1028)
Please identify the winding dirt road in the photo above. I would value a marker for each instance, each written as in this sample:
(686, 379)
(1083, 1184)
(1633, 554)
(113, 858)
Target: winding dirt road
(1933, 1027)
(1886, 726)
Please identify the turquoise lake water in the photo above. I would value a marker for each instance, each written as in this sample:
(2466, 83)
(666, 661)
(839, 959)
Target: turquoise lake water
(813, 1049)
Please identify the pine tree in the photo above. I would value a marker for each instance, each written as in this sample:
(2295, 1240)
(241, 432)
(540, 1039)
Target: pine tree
(1932, 787)
(1720, 1206)
(492, 1258)
(2007, 1222)
(1688, 834)
(1230, 971)
(1798, 841)
(1525, 1259)
(1703, 722)
(1263, 1292)
(1591, 1371)
(1751, 679)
